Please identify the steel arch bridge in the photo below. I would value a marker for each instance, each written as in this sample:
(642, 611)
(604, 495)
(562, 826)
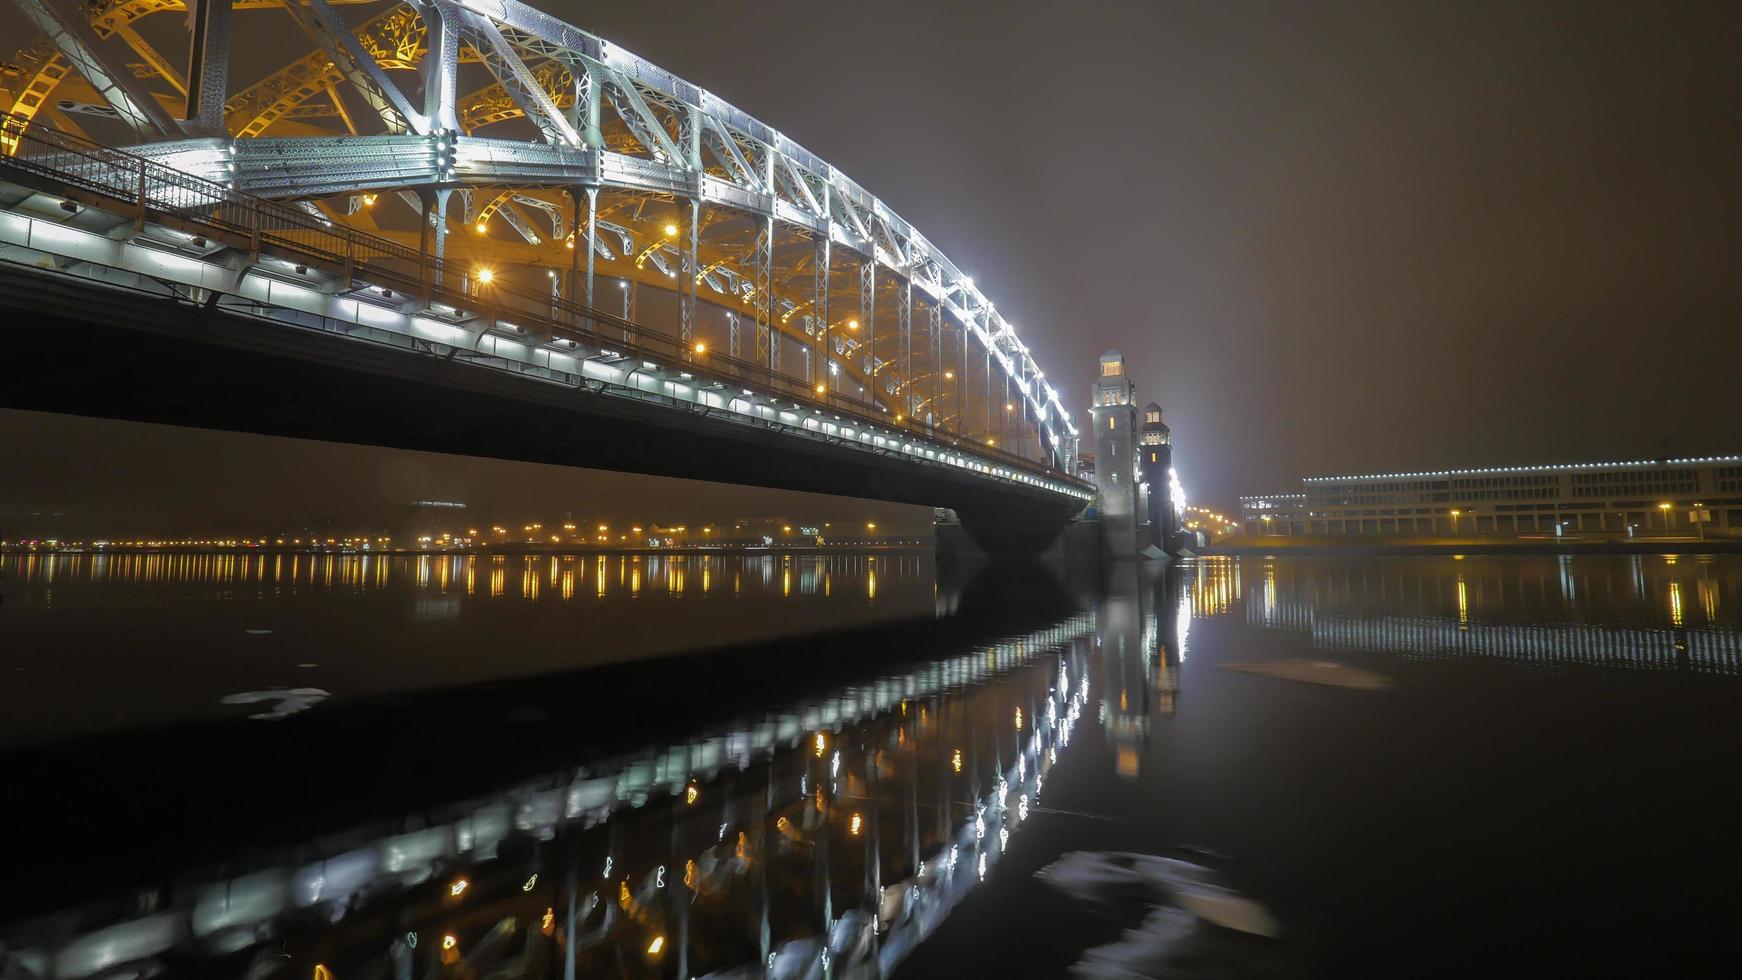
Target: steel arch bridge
(531, 158)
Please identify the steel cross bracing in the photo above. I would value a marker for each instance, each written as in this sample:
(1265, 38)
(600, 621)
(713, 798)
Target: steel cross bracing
(530, 111)
(165, 234)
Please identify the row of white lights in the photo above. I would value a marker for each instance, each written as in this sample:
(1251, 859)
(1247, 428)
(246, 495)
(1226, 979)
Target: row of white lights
(913, 446)
(1550, 468)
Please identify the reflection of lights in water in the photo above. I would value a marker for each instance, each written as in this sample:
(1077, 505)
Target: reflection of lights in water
(982, 866)
(1463, 601)
(1019, 719)
(607, 866)
(459, 887)
(450, 940)
(821, 742)
(654, 947)
(956, 760)
(854, 827)
(530, 883)
(1003, 838)
(691, 794)
(1675, 604)
(1183, 625)
(548, 925)
(835, 765)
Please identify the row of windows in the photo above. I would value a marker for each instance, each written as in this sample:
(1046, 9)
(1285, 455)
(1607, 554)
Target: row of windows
(1378, 498)
(1508, 494)
(1402, 487)
(1637, 490)
(1611, 521)
(1629, 476)
(1544, 480)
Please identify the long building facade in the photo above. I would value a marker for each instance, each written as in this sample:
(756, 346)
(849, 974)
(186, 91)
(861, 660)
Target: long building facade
(1663, 498)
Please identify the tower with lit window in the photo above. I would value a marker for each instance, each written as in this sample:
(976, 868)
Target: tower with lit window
(1155, 463)
(1114, 416)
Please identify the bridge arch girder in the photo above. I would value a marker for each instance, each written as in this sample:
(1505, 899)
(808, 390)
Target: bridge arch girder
(610, 120)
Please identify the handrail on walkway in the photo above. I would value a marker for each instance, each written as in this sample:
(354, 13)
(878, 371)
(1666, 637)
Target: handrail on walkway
(148, 189)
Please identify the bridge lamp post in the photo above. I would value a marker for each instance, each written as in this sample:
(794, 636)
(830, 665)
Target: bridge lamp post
(1456, 513)
(1665, 507)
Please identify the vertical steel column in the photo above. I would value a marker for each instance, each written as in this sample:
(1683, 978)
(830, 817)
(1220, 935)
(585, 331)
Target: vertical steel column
(732, 326)
(209, 65)
(575, 246)
(762, 301)
(1005, 430)
(868, 313)
(986, 395)
(962, 384)
(904, 338)
(936, 330)
(440, 67)
(690, 273)
(822, 267)
(439, 224)
(592, 231)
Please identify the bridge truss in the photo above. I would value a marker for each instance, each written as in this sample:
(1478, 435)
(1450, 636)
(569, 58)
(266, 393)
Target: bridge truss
(527, 155)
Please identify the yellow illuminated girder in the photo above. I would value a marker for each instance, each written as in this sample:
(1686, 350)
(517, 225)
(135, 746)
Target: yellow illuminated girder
(43, 68)
(468, 247)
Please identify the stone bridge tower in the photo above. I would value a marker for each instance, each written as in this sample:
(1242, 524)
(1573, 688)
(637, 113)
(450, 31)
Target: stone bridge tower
(1114, 417)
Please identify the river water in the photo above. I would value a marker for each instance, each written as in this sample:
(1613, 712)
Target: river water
(862, 765)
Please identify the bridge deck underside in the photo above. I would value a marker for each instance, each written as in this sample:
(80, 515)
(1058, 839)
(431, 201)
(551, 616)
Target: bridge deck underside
(112, 353)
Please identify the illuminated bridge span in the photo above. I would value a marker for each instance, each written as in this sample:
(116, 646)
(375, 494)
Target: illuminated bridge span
(554, 251)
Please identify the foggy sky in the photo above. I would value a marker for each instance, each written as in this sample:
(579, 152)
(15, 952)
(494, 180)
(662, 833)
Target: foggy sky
(1328, 237)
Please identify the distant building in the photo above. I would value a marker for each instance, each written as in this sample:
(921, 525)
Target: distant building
(432, 524)
(1679, 497)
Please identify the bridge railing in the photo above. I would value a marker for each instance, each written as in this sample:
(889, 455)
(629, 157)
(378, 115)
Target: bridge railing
(73, 166)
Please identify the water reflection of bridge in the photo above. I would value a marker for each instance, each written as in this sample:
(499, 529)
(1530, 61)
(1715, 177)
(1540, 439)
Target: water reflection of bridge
(829, 836)
(1660, 612)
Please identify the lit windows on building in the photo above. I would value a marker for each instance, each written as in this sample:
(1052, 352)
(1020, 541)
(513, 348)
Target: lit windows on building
(1613, 500)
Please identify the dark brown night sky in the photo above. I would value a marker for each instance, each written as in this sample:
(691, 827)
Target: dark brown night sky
(1329, 237)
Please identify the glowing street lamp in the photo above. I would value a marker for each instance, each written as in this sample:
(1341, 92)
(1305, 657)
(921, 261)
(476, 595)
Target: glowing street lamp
(671, 231)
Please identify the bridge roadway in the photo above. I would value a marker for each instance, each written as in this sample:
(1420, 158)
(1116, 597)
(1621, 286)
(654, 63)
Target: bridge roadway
(143, 293)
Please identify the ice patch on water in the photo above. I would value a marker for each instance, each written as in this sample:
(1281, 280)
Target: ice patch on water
(1324, 672)
(284, 701)
(1195, 926)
